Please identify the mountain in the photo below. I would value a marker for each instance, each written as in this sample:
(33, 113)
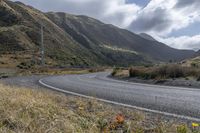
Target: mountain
(95, 33)
(194, 61)
(147, 37)
(198, 53)
(71, 40)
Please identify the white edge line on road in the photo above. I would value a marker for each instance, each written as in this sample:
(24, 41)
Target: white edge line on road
(120, 104)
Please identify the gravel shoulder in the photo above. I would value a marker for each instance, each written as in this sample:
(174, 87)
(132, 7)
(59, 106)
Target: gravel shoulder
(24, 81)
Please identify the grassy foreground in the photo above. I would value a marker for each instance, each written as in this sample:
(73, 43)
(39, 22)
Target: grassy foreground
(38, 111)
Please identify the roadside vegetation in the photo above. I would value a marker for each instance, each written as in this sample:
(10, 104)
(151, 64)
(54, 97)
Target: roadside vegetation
(170, 71)
(164, 72)
(10, 72)
(58, 71)
(39, 110)
(21, 63)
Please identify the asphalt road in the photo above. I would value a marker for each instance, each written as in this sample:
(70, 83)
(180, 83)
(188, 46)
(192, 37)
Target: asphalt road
(175, 101)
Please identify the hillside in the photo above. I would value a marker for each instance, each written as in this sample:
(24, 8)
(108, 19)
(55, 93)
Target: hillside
(147, 37)
(21, 36)
(95, 32)
(73, 40)
(194, 61)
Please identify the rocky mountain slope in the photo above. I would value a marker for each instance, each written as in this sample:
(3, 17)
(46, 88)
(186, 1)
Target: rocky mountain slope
(75, 40)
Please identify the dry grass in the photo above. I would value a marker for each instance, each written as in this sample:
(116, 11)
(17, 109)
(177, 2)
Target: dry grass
(120, 72)
(38, 111)
(55, 71)
(170, 71)
(59, 71)
(20, 63)
(9, 72)
(194, 62)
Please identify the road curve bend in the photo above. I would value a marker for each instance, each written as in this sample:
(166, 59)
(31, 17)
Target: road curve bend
(173, 101)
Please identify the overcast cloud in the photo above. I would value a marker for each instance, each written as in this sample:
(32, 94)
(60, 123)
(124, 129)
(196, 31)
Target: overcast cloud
(159, 18)
(116, 12)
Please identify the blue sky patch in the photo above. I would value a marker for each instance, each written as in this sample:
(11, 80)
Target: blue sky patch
(139, 2)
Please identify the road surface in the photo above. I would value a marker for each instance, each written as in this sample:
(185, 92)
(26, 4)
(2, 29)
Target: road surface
(174, 101)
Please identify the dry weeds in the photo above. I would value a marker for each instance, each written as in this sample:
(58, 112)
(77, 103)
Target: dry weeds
(25, 110)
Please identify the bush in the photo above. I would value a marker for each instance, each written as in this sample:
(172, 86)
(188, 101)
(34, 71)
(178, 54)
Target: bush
(163, 72)
(176, 71)
(198, 78)
(115, 71)
(26, 65)
(93, 70)
(182, 129)
(134, 72)
(145, 73)
(193, 64)
(171, 71)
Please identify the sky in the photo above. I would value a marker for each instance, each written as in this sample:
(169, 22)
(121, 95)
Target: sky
(173, 22)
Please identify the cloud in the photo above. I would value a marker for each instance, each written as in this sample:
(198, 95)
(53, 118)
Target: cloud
(158, 21)
(164, 16)
(159, 18)
(187, 3)
(182, 42)
(116, 12)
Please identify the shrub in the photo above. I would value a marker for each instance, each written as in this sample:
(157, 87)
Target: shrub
(93, 70)
(115, 71)
(26, 65)
(134, 72)
(193, 64)
(198, 78)
(175, 71)
(145, 73)
(170, 71)
(182, 129)
(164, 71)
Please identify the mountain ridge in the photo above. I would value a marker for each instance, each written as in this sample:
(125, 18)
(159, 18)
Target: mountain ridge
(148, 37)
(77, 40)
(106, 37)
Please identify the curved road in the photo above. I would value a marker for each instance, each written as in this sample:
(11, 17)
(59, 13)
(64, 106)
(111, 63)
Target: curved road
(174, 101)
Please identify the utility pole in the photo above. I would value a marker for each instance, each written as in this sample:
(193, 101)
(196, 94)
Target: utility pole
(42, 46)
